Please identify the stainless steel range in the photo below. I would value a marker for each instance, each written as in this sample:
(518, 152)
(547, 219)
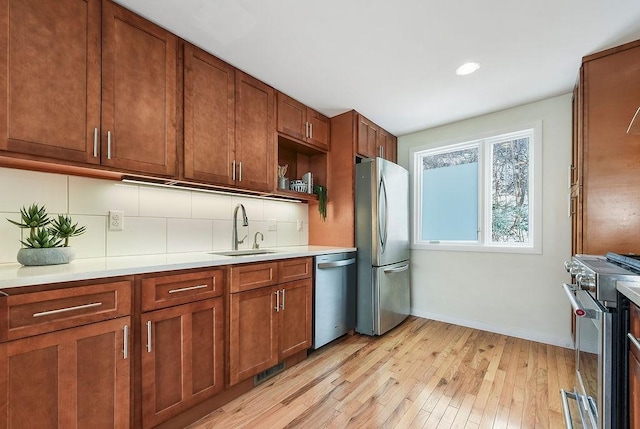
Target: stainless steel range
(599, 357)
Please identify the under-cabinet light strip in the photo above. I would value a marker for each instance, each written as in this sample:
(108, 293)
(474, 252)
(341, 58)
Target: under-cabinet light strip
(176, 185)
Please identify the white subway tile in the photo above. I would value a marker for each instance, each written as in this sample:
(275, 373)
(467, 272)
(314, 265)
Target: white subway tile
(287, 234)
(300, 211)
(93, 243)
(161, 202)
(222, 234)
(140, 236)
(278, 210)
(303, 235)
(22, 188)
(9, 237)
(253, 206)
(211, 206)
(97, 197)
(189, 235)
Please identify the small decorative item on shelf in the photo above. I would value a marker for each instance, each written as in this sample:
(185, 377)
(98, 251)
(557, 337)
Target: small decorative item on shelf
(298, 186)
(321, 191)
(283, 182)
(48, 240)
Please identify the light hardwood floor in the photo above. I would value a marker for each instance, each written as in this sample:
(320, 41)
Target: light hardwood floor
(422, 374)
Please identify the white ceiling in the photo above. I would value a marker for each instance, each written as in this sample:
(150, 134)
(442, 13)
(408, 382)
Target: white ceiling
(394, 61)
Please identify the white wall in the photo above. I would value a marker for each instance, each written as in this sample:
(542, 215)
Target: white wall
(513, 294)
(156, 220)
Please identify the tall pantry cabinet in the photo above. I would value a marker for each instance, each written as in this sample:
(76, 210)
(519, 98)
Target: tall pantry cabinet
(605, 175)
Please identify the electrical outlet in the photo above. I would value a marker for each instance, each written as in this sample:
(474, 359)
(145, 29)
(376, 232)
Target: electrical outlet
(116, 220)
(273, 225)
(299, 225)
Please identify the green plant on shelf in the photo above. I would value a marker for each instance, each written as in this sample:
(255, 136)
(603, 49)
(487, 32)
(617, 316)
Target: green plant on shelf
(321, 191)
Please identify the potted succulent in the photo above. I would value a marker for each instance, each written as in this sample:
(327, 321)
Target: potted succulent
(48, 240)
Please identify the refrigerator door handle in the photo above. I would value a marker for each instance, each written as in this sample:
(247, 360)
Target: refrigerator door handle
(405, 267)
(382, 233)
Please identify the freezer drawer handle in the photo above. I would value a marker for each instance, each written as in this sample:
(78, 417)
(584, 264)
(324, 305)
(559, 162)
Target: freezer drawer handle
(397, 270)
(342, 263)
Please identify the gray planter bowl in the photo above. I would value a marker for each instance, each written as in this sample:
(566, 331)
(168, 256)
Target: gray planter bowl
(50, 256)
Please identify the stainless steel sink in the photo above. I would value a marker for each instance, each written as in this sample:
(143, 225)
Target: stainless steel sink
(248, 252)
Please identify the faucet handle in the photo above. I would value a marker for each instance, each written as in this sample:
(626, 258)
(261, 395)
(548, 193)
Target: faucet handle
(242, 241)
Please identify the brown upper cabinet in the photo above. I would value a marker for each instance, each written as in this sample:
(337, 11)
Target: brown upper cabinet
(367, 141)
(98, 87)
(209, 117)
(387, 146)
(297, 121)
(254, 164)
(606, 173)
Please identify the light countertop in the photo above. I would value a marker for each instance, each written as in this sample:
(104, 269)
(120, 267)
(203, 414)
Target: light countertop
(16, 275)
(631, 290)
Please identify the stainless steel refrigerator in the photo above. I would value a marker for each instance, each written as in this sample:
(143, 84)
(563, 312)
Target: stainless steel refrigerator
(382, 239)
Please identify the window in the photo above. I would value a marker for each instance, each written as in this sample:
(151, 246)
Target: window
(480, 194)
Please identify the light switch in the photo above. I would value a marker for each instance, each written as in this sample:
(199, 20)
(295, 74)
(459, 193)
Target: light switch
(273, 225)
(299, 225)
(116, 220)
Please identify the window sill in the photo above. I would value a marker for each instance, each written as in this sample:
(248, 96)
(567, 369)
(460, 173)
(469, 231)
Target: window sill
(536, 250)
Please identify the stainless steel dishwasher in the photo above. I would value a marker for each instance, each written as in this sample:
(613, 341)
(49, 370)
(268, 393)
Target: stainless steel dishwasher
(334, 309)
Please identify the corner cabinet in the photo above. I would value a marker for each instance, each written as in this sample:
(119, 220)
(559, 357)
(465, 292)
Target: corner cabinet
(182, 348)
(270, 319)
(605, 176)
(68, 361)
(97, 88)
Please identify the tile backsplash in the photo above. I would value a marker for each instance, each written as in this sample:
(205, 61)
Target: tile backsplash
(156, 220)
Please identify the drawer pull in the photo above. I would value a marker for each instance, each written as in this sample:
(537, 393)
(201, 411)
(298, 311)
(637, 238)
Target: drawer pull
(125, 349)
(184, 289)
(66, 309)
(282, 305)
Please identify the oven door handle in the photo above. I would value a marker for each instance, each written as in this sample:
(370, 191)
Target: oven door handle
(577, 309)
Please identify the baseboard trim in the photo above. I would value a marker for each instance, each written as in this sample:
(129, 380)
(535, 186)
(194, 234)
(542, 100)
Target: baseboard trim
(524, 334)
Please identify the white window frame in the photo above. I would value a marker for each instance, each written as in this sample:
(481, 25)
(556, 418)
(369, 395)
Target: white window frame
(484, 142)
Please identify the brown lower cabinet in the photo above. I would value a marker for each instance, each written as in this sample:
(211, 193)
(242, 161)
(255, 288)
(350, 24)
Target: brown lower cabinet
(634, 392)
(182, 358)
(270, 323)
(74, 378)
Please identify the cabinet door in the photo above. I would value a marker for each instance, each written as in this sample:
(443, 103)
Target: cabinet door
(50, 78)
(292, 117)
(387, 146)
(319, 129)
(295, 317)
(138, 93)
(367, 142)
(253, 334)
(611, 171)
(255, 134)
(209, 103)
(634, 392)
(182, 358)
(75, 378)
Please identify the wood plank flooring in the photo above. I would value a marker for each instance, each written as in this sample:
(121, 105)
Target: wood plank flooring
(422, 374)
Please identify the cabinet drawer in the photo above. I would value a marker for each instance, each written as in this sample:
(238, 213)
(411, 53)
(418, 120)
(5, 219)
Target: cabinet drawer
(253, 276)
(47, 311)
(294, 269)
(168, 290)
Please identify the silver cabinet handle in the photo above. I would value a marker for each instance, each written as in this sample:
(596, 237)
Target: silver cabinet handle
(240, 171)
(149, 336)
(66, 309)
(405, 267)
(95, 142)
(233, 170)
(108, 144)
(278, 301)
(634, 341)
(282, 305)
(310, 130)
(125, 349)
(184, 289)
(306, 129)
(336, 264)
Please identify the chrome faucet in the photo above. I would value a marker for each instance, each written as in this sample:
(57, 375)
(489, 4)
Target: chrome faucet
(255, 240)
(234, 229)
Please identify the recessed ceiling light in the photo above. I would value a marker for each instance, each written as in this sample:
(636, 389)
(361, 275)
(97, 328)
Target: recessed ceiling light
(467, 68)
